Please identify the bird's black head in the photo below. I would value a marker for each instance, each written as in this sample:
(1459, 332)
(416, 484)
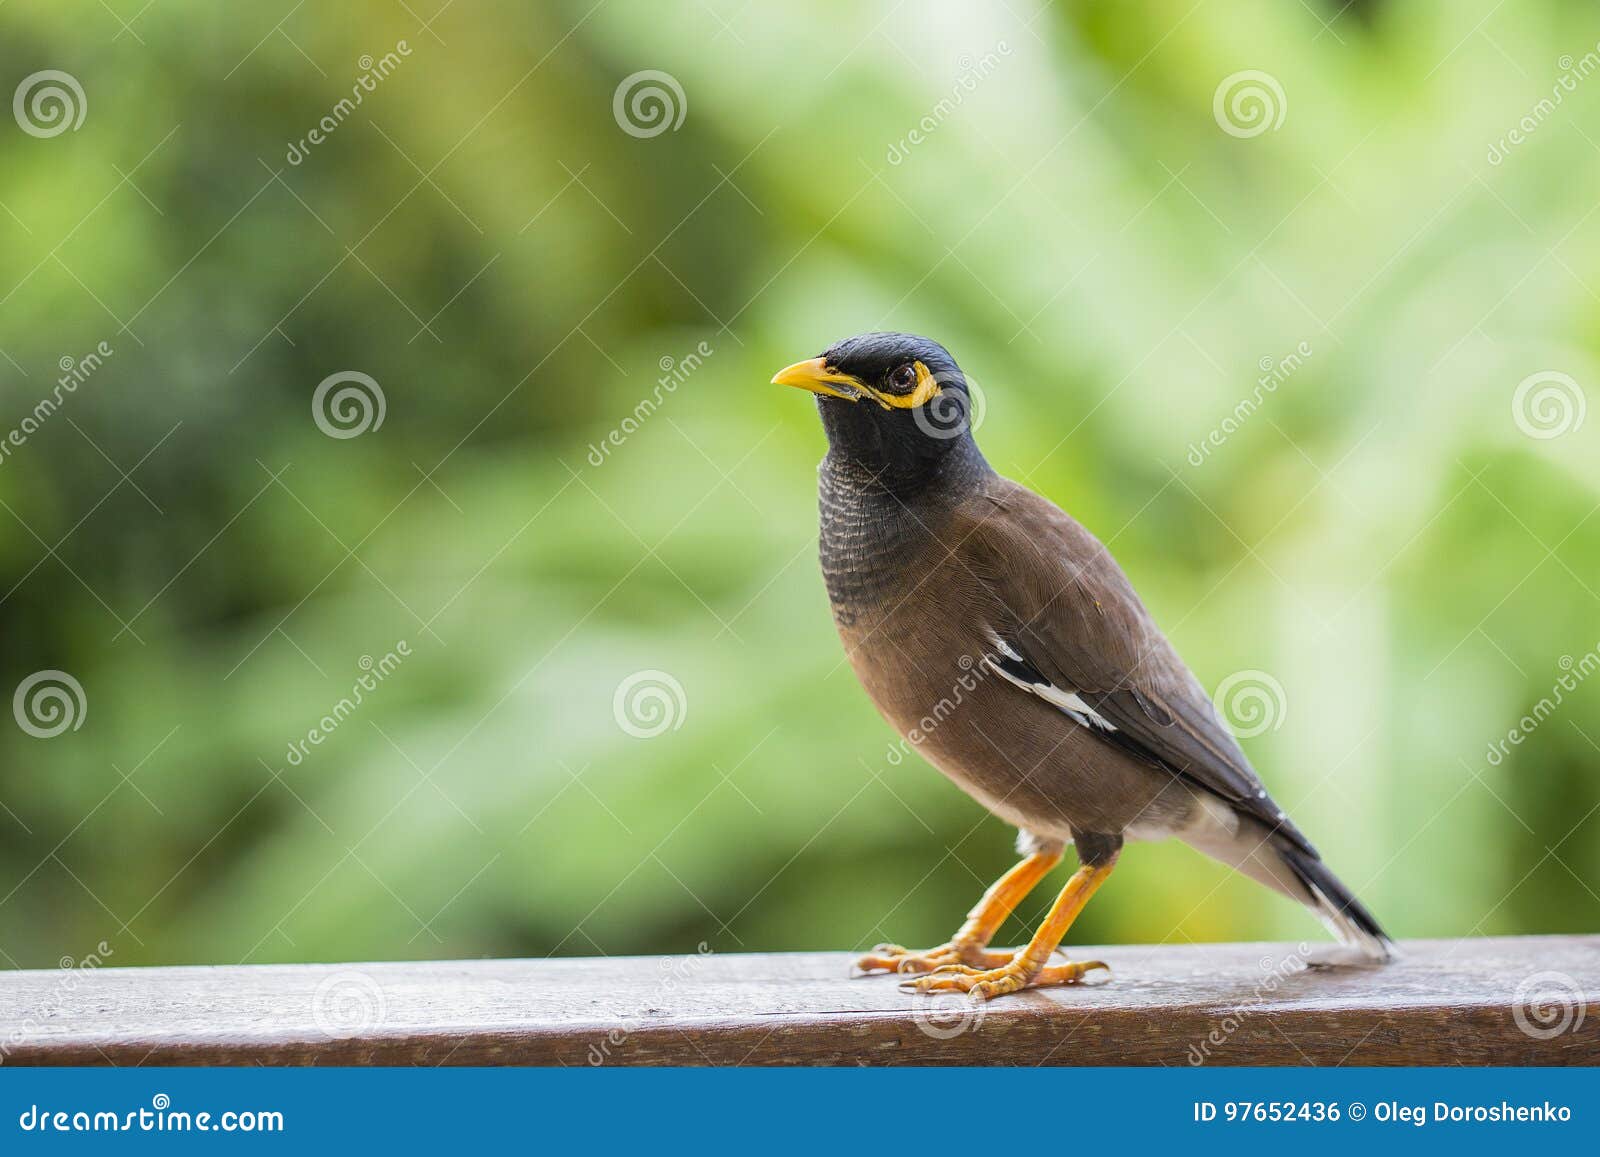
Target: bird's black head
(893, 403)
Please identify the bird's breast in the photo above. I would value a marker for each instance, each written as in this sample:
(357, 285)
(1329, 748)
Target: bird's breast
(874, 546)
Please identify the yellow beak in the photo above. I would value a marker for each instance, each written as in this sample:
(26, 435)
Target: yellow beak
(813, 374)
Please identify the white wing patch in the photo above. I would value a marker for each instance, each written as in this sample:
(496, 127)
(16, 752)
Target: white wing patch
(1068, 703)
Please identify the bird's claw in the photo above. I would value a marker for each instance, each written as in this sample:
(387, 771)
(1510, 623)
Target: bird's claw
(1011, 977)
(957, 953)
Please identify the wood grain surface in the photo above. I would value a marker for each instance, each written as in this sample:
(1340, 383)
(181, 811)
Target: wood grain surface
(1516, 1001)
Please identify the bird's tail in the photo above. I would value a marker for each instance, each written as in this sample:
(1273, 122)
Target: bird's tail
(1274, 860)
(1336, 906)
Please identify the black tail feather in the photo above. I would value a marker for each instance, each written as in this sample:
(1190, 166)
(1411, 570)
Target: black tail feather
(1348, 917)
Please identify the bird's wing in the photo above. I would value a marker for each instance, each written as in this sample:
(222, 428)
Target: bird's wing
(1075, 632)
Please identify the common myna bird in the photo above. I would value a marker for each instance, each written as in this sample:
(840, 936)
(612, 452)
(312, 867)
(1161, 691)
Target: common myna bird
(1005, 643)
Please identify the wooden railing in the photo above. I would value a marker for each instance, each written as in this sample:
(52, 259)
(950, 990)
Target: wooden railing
(1518, 1001)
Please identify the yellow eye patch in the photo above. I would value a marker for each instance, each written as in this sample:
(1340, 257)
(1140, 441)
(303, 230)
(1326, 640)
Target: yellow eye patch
(925, 389)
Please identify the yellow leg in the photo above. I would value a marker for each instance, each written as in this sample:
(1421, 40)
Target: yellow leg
(968, 944)
(1027, 968)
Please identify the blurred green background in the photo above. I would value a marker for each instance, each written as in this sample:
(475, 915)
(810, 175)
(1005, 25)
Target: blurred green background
(485, 238)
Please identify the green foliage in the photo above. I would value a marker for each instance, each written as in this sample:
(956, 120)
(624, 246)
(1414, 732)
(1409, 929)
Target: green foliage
(483, 239)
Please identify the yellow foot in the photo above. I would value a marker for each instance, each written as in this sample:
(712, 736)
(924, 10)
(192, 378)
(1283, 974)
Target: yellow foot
(893, 958)
(1011, 977)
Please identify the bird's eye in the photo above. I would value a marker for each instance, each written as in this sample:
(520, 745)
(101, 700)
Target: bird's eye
(903, 377)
